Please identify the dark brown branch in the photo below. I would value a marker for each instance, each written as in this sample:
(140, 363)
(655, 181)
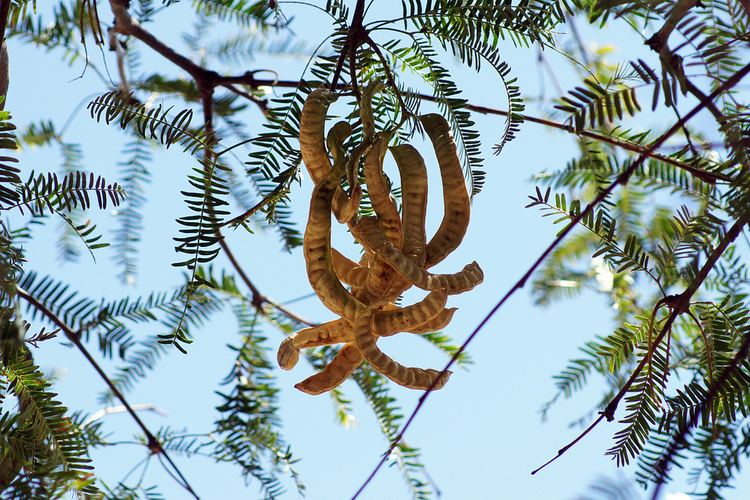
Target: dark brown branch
(126, 25)
(4, 61)
(262, 104)
(206, 80)
(355, 36)
(680, 306)
(716, 385)
(678, 12)
(4, 12)
(648, 151)
(257, 298)
(151, 441)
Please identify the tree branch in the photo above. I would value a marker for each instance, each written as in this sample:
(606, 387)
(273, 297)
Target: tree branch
(152, 442)
(621, 179)
(713, 389)
(126, 25)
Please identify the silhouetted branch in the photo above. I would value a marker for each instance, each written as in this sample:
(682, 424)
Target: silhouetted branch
(678, 306)
(152, 442)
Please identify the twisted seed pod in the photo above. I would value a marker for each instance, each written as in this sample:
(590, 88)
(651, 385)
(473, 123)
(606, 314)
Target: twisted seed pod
(456, 211)
(425, 316)
(365, 110)
(349, 271)
(311, 133)
(414, 378)
(372, 238)
(381, 277)
(413, 200)
(386, 323)
(332, 332)
(439, 322)
(317, 250)
(383, 203)
(345, 208)
(341, 366)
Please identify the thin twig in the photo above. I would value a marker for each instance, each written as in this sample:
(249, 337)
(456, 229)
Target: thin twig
(678, 307)
(151, 441)
(257, 299)
(679, 439)
(126, 25)
(621, 179)
(262, 104)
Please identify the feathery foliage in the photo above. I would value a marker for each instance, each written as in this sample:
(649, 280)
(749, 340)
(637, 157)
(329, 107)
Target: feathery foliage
(666, 247)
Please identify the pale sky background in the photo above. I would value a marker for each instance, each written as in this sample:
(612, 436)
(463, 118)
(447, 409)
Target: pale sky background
(480, 436)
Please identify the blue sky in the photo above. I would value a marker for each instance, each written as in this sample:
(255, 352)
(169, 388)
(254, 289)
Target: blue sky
(480, 436)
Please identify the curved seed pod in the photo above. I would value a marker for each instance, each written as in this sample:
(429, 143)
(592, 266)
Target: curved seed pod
(365, 110)
(418, 318)
(457, 208)
(349, 271)
(339, 132)
(311, 130)
(414, 378)
(386, 323)
(345, 208)
(341, 366)
(413, 201)
(332, 332)
(439, 322)
(381, 275)
(379, 278)
(317, 250)
(370, 235)
(380, 196)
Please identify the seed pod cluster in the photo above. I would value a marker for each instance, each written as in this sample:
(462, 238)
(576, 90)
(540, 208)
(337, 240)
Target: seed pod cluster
(396, 255)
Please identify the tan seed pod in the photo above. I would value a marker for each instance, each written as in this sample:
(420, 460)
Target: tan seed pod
(288, 354)
(311, 136)
(332, 332)
(349, 271)
(371, 236)
(427, 315)
(413, 200)
(345, 207)
(383, 203)
(365, 110)
(457, 208)
(414, 378)
(317, 250)
(386, 323)
(341, 366)
(381, 275)
(439, 322)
